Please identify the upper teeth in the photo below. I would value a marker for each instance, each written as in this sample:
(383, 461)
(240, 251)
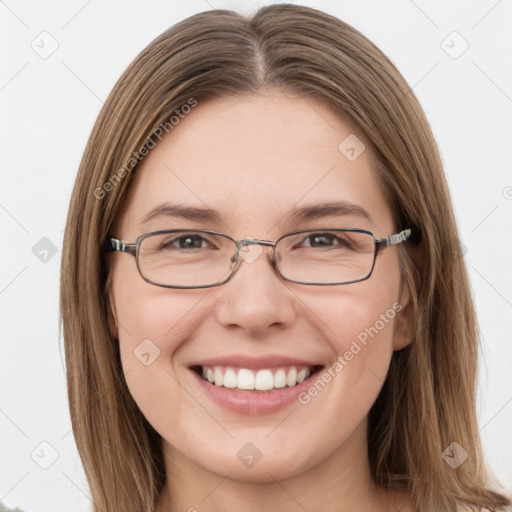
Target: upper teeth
(261, 380)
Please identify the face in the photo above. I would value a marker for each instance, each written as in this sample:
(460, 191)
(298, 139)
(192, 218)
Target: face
(255, 160)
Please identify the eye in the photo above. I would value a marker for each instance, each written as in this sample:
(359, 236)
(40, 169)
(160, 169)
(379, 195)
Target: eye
(187, 241)
(318, 240)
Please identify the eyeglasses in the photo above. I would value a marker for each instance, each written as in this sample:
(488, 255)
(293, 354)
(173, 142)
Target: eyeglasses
(184, 258)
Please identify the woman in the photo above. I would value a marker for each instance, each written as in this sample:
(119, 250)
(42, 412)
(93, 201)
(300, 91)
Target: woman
(290, 326)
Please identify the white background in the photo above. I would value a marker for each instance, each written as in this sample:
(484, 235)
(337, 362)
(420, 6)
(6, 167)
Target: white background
(48, 109)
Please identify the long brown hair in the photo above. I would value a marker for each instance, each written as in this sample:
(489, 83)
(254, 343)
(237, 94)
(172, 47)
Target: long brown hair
(428, 399)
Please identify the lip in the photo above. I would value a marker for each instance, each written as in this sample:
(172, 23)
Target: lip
(252, 402)
(255, 363)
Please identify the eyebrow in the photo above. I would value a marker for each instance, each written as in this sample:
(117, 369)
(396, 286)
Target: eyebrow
(296, 215)
(322, 210)
(184, 212)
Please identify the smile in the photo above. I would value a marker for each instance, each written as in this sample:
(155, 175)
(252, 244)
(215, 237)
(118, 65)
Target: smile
(265, 379)
(253, 386)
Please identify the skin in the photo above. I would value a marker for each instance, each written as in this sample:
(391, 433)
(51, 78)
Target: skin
(253, 159)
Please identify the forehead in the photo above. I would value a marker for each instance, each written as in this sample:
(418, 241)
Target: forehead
(253, 159)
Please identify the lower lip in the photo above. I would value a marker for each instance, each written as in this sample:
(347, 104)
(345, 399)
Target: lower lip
(254, 403)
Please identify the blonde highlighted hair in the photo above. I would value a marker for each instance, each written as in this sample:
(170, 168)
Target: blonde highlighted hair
(428, 399)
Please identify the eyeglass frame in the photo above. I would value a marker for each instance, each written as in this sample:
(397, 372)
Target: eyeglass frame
(112, 244)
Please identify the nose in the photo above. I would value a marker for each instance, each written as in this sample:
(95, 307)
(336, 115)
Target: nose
(256, 298)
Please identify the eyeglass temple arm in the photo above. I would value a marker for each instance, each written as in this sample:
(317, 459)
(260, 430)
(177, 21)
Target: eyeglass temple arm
(114, 245)
(394, 239)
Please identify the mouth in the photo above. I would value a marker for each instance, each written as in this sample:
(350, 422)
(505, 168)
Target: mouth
(262, 380)
(245, 384)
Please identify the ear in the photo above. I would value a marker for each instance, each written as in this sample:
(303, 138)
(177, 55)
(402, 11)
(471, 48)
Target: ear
(404, 319)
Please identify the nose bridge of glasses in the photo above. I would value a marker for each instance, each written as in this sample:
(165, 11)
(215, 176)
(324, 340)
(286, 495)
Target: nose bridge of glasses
(242, 251)
(254, 241)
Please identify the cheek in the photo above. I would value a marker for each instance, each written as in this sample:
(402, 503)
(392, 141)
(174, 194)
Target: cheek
(147, 350)
(152, 324)
(359, 326)
(361, 336)
(358, 320)
(146, 312)
(364, 329)
(364, 349)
